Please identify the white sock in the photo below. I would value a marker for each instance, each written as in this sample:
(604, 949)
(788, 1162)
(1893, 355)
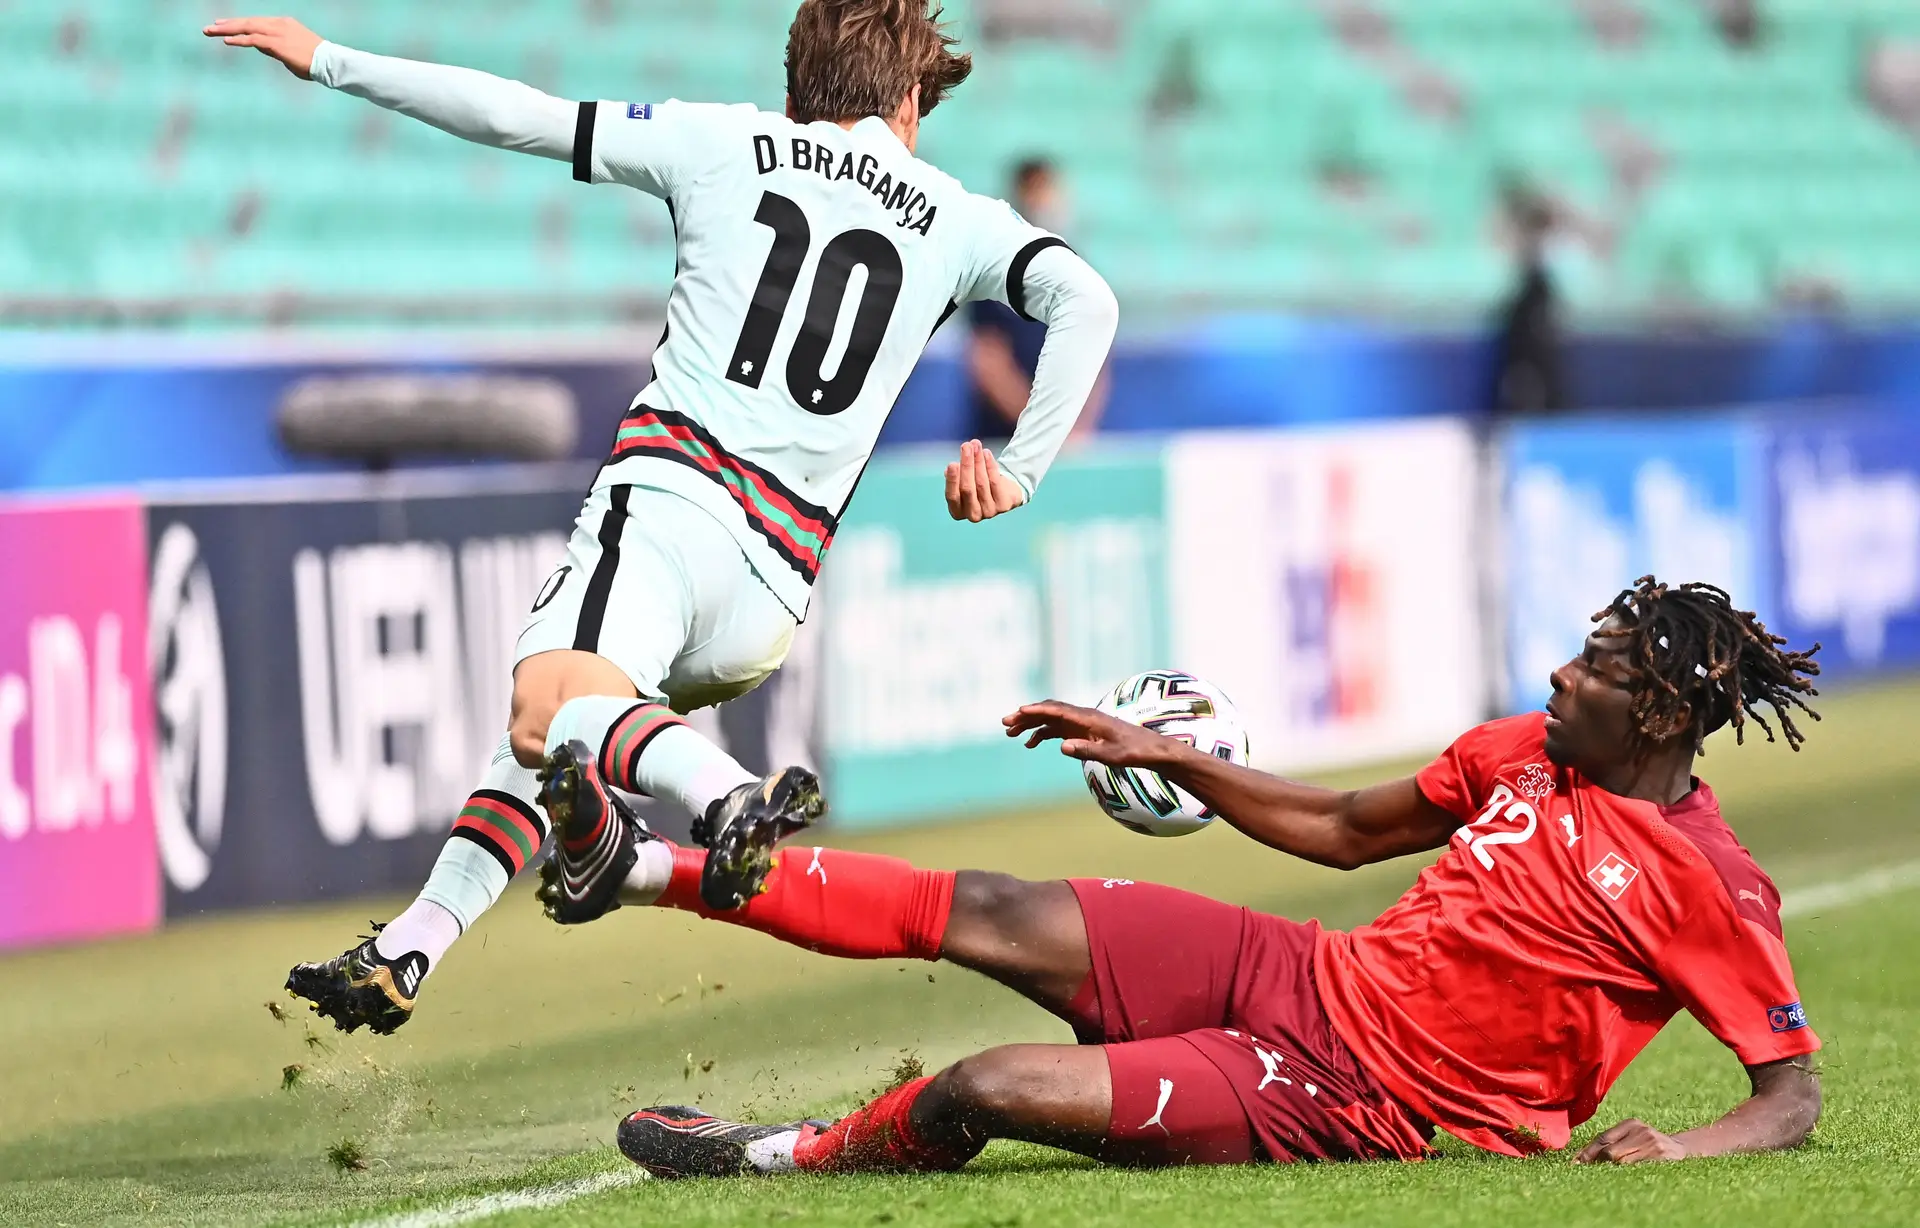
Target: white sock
(773, 1154)
(587, 719)
(424, 927)
(650, 875)
(675, 763)
(466, 877)
(682, 767)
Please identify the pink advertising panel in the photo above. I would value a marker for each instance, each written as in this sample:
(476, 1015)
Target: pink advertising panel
(77, 855)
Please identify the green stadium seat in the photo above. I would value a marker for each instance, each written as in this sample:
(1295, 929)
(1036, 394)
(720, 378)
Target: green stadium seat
(138, 160)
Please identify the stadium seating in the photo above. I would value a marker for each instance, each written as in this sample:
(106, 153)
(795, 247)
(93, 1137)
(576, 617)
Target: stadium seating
(1223, 154)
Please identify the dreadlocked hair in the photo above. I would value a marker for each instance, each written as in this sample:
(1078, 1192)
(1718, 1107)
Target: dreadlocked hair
(1699, 659)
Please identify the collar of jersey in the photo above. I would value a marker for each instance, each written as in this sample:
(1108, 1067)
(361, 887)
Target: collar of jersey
(873, 126)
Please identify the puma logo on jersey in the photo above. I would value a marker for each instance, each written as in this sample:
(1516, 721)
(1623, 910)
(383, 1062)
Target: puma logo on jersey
(1755, 896)
(1166, 1094)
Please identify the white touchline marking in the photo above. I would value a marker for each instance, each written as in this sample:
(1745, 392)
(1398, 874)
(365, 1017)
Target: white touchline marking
(485, 1206)
(1805, 901)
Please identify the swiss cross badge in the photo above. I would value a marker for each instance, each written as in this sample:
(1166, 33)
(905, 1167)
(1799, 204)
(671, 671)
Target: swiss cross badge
(1612, 875)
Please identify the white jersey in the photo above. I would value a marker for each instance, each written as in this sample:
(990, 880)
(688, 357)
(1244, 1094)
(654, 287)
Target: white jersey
(814, 263)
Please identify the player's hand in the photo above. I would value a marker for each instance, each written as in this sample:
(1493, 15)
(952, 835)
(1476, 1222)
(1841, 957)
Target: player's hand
(283, 38)
(1087, 734)
(977, 489)
(1631, 1142)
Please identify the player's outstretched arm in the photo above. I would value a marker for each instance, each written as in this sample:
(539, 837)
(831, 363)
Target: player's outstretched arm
(473, 105)
(1345, 829)
(1062, 291)
(281, 38)
(1780, 1114)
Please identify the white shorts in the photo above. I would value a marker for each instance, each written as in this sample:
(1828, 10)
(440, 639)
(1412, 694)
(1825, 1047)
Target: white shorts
(659, 587)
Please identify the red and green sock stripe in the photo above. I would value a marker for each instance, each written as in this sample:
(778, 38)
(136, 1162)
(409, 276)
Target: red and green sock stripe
(620, 751)
(508, 828)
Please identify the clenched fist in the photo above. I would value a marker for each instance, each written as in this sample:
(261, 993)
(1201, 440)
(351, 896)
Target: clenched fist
(977, 488)
(1631, 1142)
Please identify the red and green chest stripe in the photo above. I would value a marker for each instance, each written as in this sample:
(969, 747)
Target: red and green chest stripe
(798, 531)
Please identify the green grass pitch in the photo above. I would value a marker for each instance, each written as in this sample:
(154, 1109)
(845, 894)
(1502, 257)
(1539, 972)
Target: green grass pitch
(147, 1081)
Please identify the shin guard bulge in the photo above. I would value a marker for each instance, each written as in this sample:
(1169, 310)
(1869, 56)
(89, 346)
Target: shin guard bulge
(879, 1138)
(852, 905)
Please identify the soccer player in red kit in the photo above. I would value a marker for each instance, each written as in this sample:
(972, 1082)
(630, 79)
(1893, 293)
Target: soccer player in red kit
(1587, 892)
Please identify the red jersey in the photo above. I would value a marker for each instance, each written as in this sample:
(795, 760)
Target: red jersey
(1562, 927)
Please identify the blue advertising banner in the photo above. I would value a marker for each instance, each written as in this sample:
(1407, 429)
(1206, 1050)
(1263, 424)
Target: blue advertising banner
(329, 676)
(1844, 517)
(332, 669)
(1593, 504)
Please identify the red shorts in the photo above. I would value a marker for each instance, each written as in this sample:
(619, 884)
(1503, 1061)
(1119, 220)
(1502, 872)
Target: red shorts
(1219, 1048)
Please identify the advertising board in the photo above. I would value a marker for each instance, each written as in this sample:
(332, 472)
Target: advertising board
(76, 817)
(1593, 504)
(332, 672)
(934, 629)
(1326, 581)
(1844, 520)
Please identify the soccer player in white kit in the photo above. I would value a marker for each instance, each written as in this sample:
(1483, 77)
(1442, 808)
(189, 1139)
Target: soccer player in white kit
(815, 258)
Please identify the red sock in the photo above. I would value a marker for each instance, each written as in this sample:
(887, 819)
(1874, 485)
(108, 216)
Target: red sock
(854, 905)
(879, 1138)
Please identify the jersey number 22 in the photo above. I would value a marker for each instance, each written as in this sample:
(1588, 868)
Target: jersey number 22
(806, 378)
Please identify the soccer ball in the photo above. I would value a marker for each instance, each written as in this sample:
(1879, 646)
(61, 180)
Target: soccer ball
(1180, 706)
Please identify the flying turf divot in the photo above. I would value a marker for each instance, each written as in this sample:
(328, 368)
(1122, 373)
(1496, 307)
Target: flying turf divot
(485, 1206)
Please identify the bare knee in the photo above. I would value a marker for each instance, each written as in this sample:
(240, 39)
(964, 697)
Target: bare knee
(1061, 1095)
(986, 1091)
(527, 732)
(1000, 901)
(541, 684)
(1030, 937)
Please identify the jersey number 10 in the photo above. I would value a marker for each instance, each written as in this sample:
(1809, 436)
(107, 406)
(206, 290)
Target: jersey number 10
(806, 379)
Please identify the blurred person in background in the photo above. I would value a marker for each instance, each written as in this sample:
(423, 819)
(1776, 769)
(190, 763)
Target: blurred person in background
(1003, 344)
(1527, 375)
(1738, 22)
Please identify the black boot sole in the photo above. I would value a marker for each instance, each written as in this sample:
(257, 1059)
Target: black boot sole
(740, 856)
(349, 1006)
(561, 780)
(669, 1149)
